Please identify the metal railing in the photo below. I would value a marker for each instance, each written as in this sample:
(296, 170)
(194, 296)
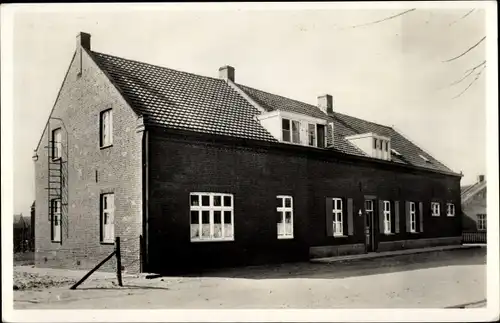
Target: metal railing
(474, 237)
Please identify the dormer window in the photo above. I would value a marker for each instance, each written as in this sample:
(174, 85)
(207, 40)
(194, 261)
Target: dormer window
(373, 145)
(295, 128)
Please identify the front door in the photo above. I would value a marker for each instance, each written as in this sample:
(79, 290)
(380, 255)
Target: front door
(369, 225)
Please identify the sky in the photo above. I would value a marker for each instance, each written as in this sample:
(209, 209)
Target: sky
(390, 72)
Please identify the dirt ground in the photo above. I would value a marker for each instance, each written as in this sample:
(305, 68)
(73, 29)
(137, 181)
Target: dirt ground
(434, 280)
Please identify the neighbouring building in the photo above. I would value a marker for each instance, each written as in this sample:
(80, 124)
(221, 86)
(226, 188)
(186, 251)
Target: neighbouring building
(193, 172)
(22, 233)
(474, 205)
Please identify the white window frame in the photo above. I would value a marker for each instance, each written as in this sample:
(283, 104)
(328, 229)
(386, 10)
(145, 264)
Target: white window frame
(55, 220)
(435, 208)
(108, 218)
(450, 209)
(211, 208)
(387, 217)
(413, 217)
(481, 222)
(56, 144)
(282, 211)
(315, 134)
(337, 217)
(106, 128)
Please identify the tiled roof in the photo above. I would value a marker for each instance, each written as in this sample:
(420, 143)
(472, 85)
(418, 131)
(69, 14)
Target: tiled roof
(345, 125)
(469, 191)
(181, 100)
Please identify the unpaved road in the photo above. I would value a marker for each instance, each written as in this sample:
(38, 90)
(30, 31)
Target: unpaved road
(419, 281)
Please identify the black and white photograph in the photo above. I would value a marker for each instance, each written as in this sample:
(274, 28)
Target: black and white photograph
(332, 161)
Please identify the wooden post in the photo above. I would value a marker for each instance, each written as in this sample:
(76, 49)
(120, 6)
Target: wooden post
(118, 261)
(92, 271)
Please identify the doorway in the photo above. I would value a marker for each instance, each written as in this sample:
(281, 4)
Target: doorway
(369, 225)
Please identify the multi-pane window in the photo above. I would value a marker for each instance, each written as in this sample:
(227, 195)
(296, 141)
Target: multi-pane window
(285, 217)
(337, 217)
(56, 143)
(107, 217)
(381, 148)
(56, 220)
(312, 134)
(212, 216)
(413, 217)
(290, 130)
(481, 222)
(106, 128)
(435, 209)
(387, 217)
(450, 209)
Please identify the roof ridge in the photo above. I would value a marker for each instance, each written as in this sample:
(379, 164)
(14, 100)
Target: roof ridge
(158, 66)
(281, 96)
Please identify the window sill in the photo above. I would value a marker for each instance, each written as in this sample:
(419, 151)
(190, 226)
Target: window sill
(415, 232)
(107, 146)
(389, 234)
(285, 237)
(339, 236)
(435, 215)
(107, 242)
(56, 241)
(212, 240)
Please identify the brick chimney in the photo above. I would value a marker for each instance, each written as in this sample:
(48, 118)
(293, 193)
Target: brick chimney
(325, 103)
(83, 40)
(226, 73)
(480, 178)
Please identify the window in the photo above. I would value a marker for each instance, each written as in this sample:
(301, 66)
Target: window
(106, 128)
(55, 220)
(108, 218)
(312, 134)
(295, 132)
(285, 217)
(450, 209)
(285, 125)
(337, 217)
(56, 143)
(481, 222)
(212, 217)
(413, 217)
(435, 208)
(290, 130)
(387, 217)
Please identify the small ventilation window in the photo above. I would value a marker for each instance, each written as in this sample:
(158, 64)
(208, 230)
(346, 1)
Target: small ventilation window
(425, 158)
(395, 152)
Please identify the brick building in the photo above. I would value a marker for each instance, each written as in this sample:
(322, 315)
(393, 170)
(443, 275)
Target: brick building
(193, 172)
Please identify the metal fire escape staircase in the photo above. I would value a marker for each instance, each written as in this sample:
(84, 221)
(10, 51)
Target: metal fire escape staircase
(55, 173)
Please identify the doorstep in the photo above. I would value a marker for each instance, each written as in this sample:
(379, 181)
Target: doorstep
(328, 260)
